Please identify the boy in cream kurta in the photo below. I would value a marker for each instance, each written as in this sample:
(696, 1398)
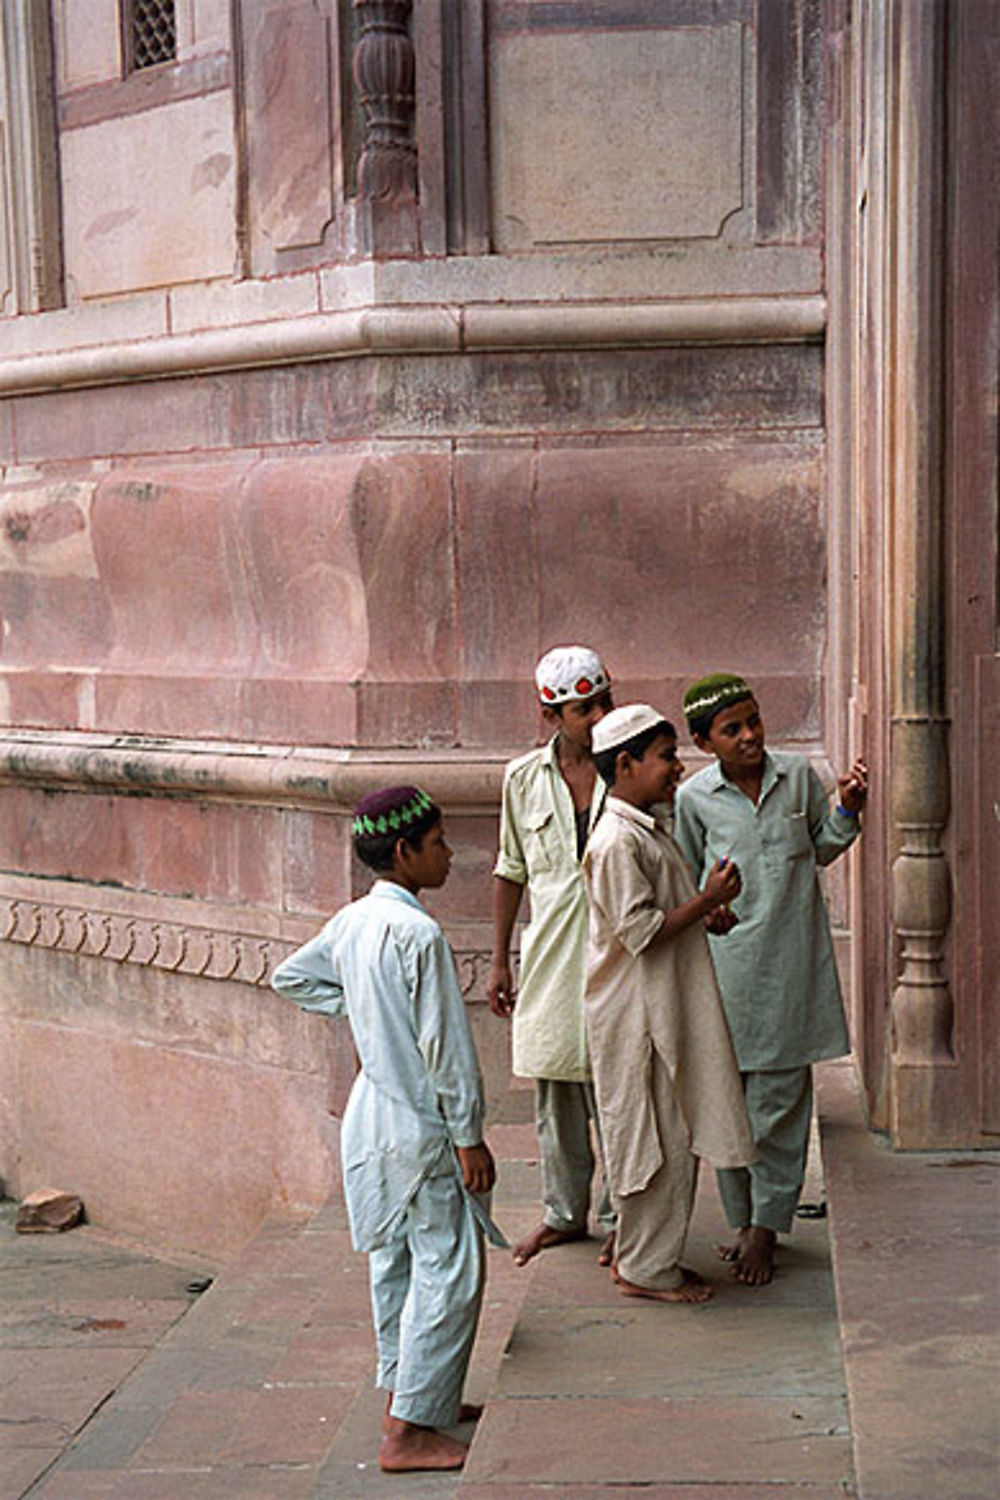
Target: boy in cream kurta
(551, 797)
(667, 1085)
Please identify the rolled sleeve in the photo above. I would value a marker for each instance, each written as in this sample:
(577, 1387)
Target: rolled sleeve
(510, 862)
(832, 830)
(627, 899)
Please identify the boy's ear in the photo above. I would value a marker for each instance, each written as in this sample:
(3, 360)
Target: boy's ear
(623, 764)
(551, 716)
(702, 743)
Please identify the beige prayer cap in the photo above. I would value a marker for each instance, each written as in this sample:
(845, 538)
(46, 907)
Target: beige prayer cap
(623, 724)
(568, 672)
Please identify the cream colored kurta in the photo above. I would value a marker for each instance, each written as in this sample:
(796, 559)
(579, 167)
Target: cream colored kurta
(538, 849)
(663, 1000)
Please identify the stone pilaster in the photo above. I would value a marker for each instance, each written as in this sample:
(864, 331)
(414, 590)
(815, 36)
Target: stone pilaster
(922, 1009)
(384, 72)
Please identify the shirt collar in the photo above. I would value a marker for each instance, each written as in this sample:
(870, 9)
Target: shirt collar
(394, 892)
(550, 759)
(647, 820)
(718, 781)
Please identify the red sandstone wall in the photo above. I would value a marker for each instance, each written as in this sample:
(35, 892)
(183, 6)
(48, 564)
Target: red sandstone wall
(257, 557)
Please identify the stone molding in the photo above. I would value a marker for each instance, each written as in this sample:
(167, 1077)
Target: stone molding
(201, 939)
(435, 329)
(333, 779)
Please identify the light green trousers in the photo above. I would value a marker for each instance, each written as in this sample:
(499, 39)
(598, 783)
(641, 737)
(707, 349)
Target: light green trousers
(779, 1104)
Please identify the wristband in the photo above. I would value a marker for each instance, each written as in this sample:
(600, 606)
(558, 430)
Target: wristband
(846, 811)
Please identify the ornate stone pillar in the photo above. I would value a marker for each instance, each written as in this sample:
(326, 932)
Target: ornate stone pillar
(922, 1011)
(384, 71)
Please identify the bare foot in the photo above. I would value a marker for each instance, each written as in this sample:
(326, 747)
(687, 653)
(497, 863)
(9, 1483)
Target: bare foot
(730, 1252)
(468, 1412)
(753, 1263)
(406, 1448)
(543, 1238)
(692, 1289)
(607, 1254)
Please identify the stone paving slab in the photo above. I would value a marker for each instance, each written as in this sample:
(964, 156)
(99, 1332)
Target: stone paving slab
(639, 1442)
(488, 1490)
(79, 1312)
(722, 1349)
(915, 1238)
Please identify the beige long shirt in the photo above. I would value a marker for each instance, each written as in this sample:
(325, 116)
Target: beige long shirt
(538, 849)
(642, 999)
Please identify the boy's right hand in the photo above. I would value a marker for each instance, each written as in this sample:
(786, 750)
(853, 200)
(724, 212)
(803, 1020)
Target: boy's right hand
(724, 883)
(501, 990)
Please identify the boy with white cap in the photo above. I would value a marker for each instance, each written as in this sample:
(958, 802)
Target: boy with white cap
(551, 797)
(664, 1068)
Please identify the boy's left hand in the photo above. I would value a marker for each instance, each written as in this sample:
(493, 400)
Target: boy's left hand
(853, 788)
(479, 1171)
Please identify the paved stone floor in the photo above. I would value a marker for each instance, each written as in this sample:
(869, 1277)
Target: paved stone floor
(118, 1383)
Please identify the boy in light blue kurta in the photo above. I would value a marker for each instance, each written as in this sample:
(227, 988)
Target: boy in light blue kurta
(776, 969)
(414, 1161)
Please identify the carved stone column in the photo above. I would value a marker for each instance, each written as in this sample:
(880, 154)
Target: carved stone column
(922, 1011)
(384, 71)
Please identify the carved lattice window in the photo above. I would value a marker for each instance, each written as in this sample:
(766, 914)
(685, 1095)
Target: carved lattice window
(150, 33)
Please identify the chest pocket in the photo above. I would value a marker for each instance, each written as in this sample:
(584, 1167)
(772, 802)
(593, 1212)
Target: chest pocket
(541, 839)
(795, 835)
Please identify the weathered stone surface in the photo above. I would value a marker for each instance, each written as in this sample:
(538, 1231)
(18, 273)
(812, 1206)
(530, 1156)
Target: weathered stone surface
(661, 109)
(148, 199)
(214, 1181)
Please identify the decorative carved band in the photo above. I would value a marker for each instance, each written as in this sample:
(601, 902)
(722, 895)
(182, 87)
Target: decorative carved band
(141, 940)
(178, 947)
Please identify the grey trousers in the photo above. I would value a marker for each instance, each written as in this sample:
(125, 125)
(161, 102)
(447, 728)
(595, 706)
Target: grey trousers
(779, 1103)
(564, 1113)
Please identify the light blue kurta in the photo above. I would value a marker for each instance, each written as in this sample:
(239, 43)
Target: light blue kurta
(776, 969)
(384, 962)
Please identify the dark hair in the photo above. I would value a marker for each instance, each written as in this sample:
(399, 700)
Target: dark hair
(636, 747)
(378, 850)
(702, 725)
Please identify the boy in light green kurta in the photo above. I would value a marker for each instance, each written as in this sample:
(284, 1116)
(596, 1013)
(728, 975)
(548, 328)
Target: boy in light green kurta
(776, 970)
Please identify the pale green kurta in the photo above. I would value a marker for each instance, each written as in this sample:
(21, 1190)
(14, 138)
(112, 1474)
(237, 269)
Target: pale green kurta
(776, 969)
(644, 999)
(538, 849)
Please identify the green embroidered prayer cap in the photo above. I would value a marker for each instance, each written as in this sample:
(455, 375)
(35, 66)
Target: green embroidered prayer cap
(395, 809)
(709, 695)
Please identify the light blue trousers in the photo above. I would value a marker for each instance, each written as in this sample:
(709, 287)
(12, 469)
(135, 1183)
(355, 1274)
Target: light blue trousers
(426, 1288)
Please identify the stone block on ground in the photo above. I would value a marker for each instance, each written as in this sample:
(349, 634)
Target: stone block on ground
(48, 1211)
